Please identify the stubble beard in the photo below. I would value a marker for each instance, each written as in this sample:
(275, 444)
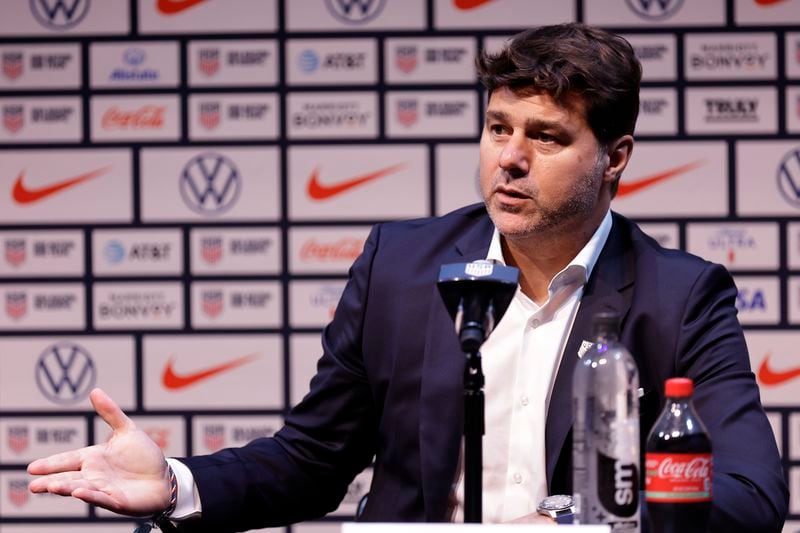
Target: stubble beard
(551, 220)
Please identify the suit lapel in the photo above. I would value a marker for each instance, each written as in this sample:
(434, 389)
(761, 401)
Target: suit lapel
(441, 390)
(609, 289)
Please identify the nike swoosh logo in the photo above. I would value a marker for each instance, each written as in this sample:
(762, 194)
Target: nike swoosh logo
(318, 191)
(469, 4)
(768, 376)
(626, 189)
(25, 195)
(170, 7)
(174, 381)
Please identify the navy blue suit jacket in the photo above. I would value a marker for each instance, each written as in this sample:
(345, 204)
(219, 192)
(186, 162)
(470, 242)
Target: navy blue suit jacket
(389, 385)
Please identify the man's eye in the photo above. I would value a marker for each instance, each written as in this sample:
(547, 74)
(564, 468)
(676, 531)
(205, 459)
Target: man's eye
(497, 129)
(546, 138)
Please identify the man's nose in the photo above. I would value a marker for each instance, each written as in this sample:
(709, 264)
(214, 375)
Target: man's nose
(514, 157)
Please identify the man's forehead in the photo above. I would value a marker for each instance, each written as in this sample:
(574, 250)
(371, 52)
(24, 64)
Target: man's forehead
(569, 104)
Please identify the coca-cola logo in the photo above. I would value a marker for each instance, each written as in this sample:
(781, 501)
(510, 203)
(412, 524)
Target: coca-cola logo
(345, 249)
(696, 468)
(146, 117)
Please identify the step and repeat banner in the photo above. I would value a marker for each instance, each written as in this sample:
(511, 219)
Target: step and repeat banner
(184, 183)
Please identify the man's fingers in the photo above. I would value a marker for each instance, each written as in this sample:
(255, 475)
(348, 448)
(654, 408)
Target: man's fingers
(60, 462)
(110, 411)
(63, 483)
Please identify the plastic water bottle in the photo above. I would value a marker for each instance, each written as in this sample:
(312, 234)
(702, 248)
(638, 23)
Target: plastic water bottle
(605, 438)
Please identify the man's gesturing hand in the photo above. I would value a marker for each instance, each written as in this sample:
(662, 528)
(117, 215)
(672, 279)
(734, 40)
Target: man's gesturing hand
(128, 474)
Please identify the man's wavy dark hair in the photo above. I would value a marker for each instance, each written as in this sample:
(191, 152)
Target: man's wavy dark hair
(597, 65)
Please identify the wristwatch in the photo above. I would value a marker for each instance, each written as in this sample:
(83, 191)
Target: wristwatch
(559, 507)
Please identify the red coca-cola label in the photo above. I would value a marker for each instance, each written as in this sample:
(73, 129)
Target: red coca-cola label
(677, 477)
(345, 249)
(146, 117)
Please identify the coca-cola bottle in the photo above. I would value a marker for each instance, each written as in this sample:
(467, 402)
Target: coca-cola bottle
(605, 434)
(678, 465)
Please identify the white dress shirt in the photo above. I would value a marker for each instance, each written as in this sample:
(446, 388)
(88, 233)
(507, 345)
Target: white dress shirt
(520, 361)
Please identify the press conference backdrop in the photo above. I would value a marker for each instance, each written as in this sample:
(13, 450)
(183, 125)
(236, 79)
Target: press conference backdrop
(184, 183)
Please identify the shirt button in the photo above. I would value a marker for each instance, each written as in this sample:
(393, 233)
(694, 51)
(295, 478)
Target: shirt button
(524, 400)
(535, 323)
(517, 478)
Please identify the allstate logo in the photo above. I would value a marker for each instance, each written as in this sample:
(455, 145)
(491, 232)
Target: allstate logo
(65, 373)
(210, 184)
(114, 252)
(355, 11)
(789, 177)
(654, 9)
(308, 61)
(133, 56)
(59, 14)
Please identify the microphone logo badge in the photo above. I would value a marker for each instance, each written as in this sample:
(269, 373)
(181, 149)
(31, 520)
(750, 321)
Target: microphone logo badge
(479, 269)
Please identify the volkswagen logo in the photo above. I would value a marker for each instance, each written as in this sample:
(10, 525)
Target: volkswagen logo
(789, 177)
(355, 11)
(65, 373)
(210, 184)
(59, 14)
(134, 56)
(655, 9)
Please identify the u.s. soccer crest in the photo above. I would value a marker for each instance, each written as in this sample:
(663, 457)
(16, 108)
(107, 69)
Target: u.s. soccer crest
(214, 437)
(406, 58)
(211, 249)
(13, 117)
(212, 302)
(407, 112)
(16, 304)
(18, 440)
(209, 61)
(15, 252)
(12, 65)
(18, 492)
(209, 115)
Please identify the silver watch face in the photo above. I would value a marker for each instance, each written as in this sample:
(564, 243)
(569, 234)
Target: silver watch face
(557, 502)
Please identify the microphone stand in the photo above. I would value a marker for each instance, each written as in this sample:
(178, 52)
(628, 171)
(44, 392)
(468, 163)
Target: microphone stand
(473, 438)
(476, 295)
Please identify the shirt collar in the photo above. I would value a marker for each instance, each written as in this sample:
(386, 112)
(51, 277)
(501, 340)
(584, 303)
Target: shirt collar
(581, 265)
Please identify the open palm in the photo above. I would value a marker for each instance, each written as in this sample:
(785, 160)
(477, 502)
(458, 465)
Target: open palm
(127, 475)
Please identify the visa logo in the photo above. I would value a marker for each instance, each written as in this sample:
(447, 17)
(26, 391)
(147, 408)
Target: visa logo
(748, 300)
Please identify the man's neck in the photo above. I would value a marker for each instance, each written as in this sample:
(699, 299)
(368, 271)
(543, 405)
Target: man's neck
(541, 256)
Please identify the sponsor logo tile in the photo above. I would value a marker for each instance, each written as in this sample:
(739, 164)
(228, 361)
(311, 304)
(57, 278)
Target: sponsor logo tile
(149, 252)
(137, 305)
(736, 245)
(732, 56)
(56, 373)
(331, 61)
(243, 63)
(133, 64)
(213, 372)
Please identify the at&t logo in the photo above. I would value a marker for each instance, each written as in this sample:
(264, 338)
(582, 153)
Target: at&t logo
(59, 14)
(655, 9)
(355, 11)
(65, 373)
(210, 184)
(789, 177)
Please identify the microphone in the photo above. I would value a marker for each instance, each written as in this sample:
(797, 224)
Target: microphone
(476, 295)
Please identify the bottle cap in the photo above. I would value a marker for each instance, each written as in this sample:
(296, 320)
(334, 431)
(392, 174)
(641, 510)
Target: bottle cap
(605, 323)
(678, 387)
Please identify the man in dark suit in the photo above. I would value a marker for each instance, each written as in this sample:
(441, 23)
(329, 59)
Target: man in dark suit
(558, 134)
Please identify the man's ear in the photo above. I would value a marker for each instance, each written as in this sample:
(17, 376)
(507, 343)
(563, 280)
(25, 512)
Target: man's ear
(618, 153)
